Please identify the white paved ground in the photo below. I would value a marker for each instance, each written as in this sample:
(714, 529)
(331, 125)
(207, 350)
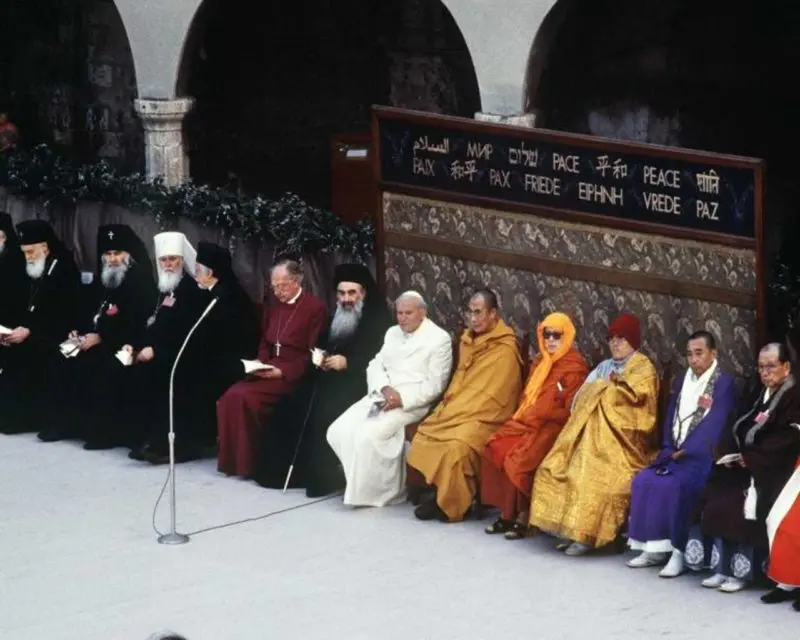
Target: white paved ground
(79, 560)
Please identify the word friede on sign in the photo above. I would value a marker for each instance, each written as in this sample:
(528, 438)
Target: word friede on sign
(590, 175)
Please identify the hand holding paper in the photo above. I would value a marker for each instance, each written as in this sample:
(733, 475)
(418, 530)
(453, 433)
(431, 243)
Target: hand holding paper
(251, 366)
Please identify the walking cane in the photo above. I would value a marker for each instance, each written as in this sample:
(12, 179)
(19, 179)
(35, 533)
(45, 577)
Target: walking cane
(300, 437)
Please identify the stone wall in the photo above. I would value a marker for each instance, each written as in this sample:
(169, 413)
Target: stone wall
(272, 82)
(71, 79)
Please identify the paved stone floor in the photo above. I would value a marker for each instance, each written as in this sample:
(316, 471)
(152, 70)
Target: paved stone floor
(79, 560)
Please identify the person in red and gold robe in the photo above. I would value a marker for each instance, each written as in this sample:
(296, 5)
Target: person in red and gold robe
(512, 454)
(783, 530)
(292, 325)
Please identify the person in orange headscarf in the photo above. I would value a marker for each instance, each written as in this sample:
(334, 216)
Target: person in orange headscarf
(513, 453)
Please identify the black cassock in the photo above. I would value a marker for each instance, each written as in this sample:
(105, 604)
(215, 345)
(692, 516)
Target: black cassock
(147, 395)
(324, 397)
(49, 313)
(87, 390)
(13, 280)
(211, 363)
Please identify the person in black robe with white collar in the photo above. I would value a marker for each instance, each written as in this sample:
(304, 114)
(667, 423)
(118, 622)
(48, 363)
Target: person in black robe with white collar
(355, 334)
(212, 361)
(50, 301)
(177, 308)
(86, 389)
(13, 279)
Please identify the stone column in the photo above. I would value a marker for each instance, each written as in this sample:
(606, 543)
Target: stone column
(165, 155)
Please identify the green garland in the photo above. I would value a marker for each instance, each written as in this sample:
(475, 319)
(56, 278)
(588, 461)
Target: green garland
(291, 224)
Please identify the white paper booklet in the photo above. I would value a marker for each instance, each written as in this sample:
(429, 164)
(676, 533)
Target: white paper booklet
(255, 365)
(5, 331)
(730, 458)
(70, 348)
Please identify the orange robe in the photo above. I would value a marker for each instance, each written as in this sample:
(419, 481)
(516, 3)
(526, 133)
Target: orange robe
(783, 526)
(513, 453)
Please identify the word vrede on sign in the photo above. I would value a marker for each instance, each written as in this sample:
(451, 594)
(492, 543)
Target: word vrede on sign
(637, 182)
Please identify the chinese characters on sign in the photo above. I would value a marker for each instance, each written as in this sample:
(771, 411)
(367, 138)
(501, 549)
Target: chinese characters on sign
(698, 192)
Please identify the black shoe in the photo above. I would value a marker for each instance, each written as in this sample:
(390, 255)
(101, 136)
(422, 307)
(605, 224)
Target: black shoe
(51, 435)
(776, 595)
(319, 491)
(138, 453)
(430, 511)
(98, 445)
(796, 605)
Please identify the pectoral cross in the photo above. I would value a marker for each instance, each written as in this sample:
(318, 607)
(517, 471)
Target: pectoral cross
(278, 349)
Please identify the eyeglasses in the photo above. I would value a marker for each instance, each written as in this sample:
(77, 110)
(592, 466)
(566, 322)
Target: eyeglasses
(473, 313)
(552, 335)
(769, 367)
(616, 338)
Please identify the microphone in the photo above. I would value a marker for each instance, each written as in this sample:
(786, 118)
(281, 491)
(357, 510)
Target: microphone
(173, 537)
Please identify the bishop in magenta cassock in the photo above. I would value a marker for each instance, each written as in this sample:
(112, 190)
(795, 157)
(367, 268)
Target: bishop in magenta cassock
(293, 322)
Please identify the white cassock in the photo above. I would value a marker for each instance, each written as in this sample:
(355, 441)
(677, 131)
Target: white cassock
(371, 449)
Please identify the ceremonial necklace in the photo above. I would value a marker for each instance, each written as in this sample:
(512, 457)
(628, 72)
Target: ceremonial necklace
(282, 328)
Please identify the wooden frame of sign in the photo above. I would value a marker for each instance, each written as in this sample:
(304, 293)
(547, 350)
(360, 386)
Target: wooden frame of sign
(639, 188)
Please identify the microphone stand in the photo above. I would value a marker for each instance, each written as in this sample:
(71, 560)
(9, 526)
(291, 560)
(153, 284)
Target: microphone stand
(173, 537)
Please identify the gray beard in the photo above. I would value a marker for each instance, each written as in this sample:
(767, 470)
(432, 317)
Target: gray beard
(36, 270)
(2, 248)
(168, 282)
(112, 277)
(345, 320)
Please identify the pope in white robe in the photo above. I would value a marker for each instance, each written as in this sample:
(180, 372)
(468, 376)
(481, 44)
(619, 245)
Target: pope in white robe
(404, 379)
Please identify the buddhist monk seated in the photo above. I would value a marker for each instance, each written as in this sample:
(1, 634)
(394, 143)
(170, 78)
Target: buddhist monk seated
(756, 460)
(513, 453)
(482, 395)
(403, 380)
(665, 494)
(293, 321)
(783, 530)
(581, 491)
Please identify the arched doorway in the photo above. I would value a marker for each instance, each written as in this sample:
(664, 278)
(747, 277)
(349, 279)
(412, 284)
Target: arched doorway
(272, 81)
(707, 75)
(67, 78)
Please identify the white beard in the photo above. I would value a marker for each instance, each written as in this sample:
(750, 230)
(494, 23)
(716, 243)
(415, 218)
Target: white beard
(2, 247)
(345, 320)
(167, 281)
(112, 277)
(36, 270)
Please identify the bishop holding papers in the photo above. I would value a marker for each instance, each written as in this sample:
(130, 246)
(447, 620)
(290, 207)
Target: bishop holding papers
(87, 388)
(51, 298)
(293, 321)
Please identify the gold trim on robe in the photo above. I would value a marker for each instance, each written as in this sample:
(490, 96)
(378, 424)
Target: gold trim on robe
(582, 488)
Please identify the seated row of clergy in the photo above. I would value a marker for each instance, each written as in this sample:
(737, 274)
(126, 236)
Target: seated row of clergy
(563, 455)
(113, 389)
(577, 455)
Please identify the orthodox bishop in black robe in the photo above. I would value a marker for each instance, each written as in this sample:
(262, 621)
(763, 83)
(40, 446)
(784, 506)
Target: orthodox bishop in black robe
(355, 334)
(87, 389)
(212, 361)
(176, 310)
(13, 279)
(50, 300)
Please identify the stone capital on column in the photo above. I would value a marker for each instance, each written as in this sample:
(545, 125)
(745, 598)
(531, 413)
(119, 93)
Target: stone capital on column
(165, 155)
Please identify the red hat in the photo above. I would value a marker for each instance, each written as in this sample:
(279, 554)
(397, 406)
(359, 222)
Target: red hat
(626, 326)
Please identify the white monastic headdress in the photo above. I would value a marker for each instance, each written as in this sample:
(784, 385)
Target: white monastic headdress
(174, 243)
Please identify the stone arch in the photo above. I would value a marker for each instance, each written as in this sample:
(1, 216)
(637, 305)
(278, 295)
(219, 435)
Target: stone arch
(273, 81)
(70, 80)
(696, 75)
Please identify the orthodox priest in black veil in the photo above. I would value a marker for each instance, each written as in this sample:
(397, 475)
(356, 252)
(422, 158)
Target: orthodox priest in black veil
(355, 334)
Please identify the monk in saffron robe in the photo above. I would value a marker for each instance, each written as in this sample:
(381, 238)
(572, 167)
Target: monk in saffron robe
(783, 529)
(756, 461)
(582, 489)
(292, 325)
(665, 494)
(515, 451)
(482, 395)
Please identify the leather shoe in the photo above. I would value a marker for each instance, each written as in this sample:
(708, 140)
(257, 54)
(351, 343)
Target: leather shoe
(776, 595)
(429, 510)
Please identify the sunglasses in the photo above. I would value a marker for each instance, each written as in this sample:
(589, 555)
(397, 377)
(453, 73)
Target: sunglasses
(552, 335)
